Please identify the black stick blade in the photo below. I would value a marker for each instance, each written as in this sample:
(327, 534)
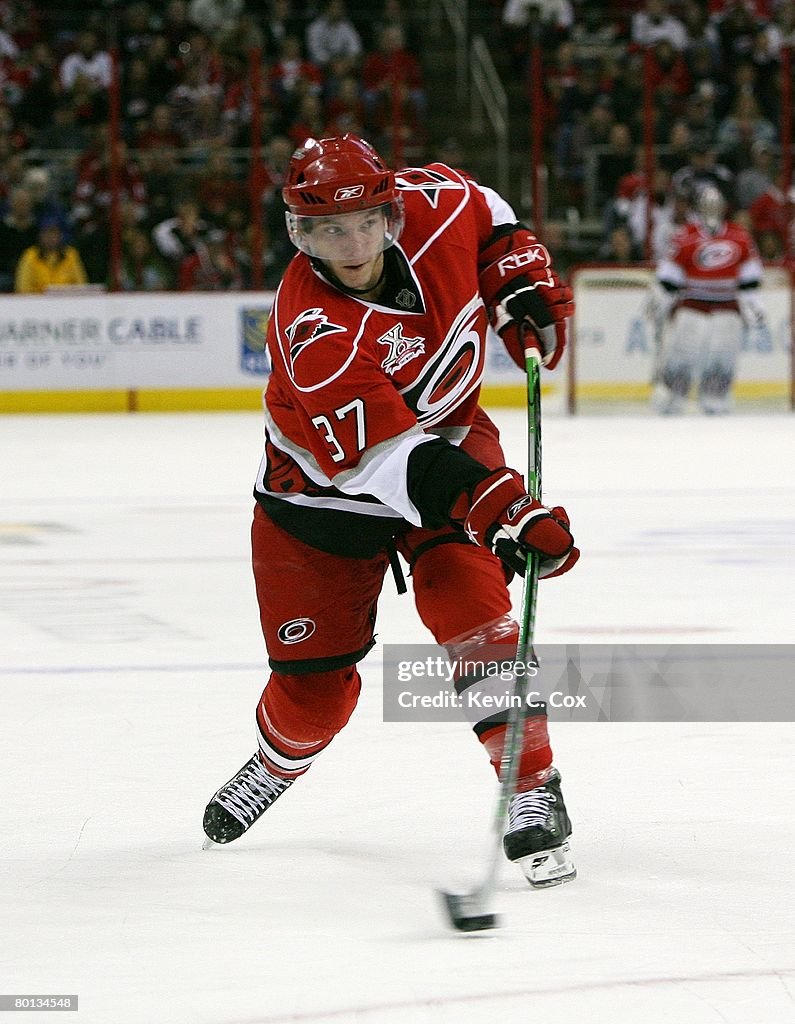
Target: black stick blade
(467, 912)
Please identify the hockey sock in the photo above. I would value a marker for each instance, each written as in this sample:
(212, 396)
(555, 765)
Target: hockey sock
(299, 715)
(482, 648)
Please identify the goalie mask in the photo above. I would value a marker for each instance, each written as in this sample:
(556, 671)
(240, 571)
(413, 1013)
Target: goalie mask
(337, 188)
(711, 208)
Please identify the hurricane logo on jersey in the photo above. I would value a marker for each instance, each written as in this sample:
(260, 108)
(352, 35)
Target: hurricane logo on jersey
(309, 326)
(716, 254)
(401, 349)
(454, 371)
(430, 183)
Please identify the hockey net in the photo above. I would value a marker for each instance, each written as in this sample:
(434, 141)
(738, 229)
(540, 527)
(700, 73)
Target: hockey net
(614, 345)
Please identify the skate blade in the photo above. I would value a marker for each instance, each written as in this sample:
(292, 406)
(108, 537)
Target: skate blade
(548, 867)
(210, 844)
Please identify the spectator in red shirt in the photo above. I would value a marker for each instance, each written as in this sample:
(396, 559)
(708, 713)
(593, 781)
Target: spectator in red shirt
(389, 68)
(670, 79)
(291, 77)
(772, 217)
(345, 109)
(217, 187)
(93, 191)
(159, 131)
(310, 120)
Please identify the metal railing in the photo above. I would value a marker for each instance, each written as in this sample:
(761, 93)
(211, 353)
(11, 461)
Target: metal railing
(488, 97)
(457, 14)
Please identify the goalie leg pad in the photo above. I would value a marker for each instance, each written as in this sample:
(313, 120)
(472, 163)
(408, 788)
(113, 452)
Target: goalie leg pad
(680, 361)
(721, 346)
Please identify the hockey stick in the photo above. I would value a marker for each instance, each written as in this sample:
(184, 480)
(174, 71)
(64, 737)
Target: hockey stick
(472, 911)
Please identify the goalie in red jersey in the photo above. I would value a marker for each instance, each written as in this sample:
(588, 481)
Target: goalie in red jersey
(375, 443)
(706, 287)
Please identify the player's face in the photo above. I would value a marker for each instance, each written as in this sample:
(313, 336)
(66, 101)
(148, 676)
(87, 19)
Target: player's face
(352, 246)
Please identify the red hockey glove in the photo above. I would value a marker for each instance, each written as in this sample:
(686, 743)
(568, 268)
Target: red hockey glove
(501, 516)
(521, 289)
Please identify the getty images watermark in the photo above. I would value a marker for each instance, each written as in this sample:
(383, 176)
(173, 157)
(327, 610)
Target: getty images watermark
(475, 684)
(594, 683)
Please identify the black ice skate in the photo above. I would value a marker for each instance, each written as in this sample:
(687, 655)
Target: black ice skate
(238, 803)
(537, 834)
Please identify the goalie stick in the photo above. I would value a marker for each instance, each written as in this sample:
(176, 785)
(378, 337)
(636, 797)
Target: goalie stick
(472, 911)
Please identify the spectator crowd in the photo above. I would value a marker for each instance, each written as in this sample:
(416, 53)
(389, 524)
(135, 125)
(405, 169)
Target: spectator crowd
(190, 200)
(186, 185)
(716, 70)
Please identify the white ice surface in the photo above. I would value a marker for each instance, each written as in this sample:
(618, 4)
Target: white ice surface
(131, 666)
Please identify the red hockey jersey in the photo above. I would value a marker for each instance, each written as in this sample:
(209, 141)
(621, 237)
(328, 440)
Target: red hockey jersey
(709, 268)
(356, 386)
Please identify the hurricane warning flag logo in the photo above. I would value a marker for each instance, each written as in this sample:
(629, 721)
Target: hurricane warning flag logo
(401, 349)
(307, 327)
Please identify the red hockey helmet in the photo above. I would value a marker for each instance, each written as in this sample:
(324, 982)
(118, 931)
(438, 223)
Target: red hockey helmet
(335, 177)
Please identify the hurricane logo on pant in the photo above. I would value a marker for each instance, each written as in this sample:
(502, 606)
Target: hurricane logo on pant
(296, 630)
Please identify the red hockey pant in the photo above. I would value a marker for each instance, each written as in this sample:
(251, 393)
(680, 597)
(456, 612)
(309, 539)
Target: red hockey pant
(318, 615)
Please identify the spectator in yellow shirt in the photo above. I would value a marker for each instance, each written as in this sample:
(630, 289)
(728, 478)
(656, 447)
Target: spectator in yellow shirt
(50, 263)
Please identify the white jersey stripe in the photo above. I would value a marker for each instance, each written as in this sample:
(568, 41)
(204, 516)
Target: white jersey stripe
(383, 472)
(501, 212)
(443, 227)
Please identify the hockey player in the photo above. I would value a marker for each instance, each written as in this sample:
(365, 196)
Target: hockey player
(374, 441)
(707, 287)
